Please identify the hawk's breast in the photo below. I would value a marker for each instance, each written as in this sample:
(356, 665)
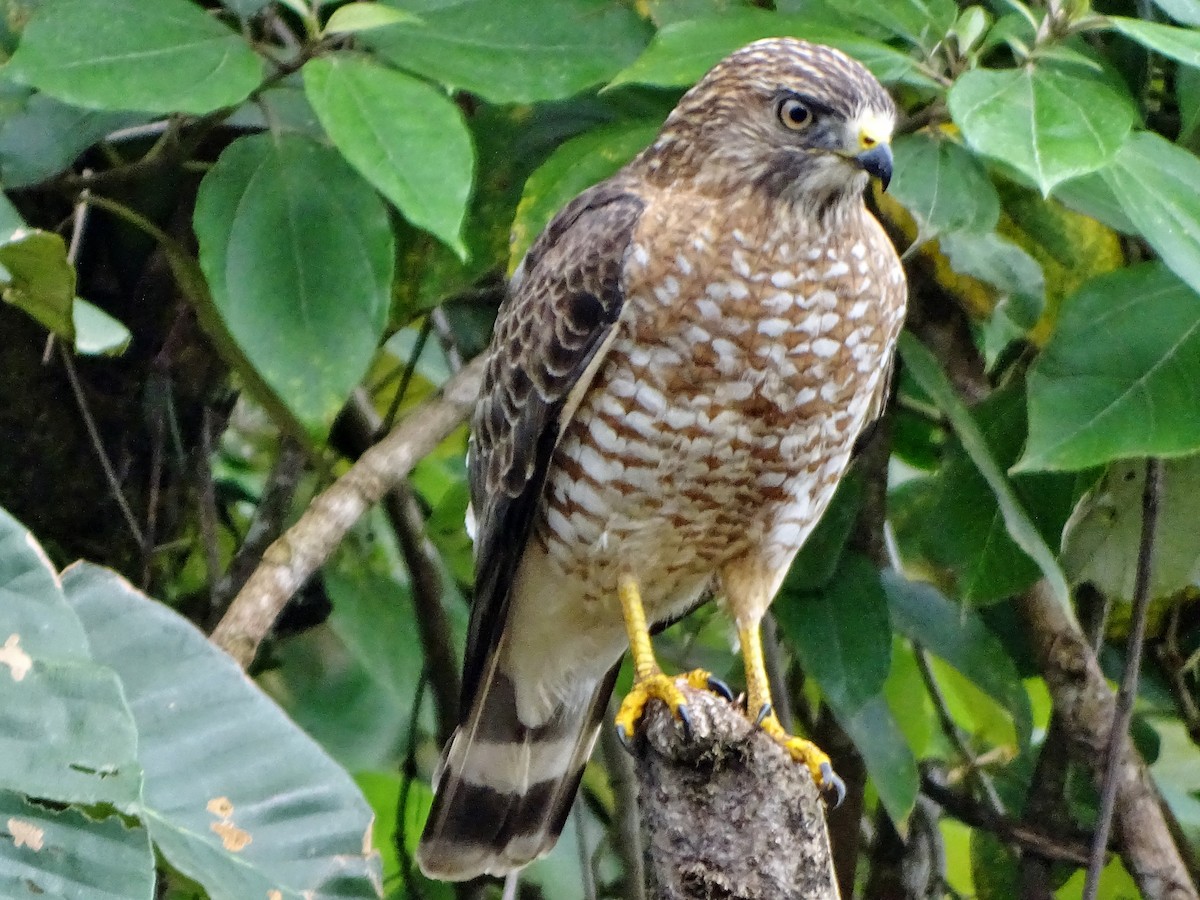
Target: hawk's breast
(746, 360)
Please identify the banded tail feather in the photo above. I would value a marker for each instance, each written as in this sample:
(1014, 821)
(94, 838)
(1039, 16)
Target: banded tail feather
(504, 790)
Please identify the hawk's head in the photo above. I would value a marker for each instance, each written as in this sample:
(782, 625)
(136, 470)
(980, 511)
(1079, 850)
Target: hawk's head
(783, 115)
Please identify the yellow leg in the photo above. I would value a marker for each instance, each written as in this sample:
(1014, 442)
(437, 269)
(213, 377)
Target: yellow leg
(758, 703)
(649, 680)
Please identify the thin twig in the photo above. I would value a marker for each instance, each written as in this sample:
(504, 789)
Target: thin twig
(953, 732)
(409, 768)
(1151, 494)
(586, 875)
(110, 474)
(208, 507)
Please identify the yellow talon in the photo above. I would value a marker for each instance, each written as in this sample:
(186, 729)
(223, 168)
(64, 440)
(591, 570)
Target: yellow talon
(758, 701)
(650, 682)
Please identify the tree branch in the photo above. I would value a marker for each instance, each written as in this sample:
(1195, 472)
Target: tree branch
(726, 812)
(1087, 706)
(290, 560)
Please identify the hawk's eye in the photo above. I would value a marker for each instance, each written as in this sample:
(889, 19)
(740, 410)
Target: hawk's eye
(794, 114)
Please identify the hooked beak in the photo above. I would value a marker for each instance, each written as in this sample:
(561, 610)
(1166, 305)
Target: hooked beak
(877, 162)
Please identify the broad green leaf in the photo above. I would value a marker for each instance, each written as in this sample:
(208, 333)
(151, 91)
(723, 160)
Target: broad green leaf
(363, 16)
(920, 22)
(48, 853)
(515, 51)
(1155, 183)
(65, 731)
(1186, 11)
(841, 633)
(402, 135)
(943, 185)
(965, 529)
(572, 168)
(927, 372)
(236, 796)
(298, 254)
(96, 332)
(1090, 194)
(1182, 44)
(885, 752)
(37, 278)
(43, 136)
(168, 56)
(10, 219)
(1116, 379)
(1102, 539)
(1046, 123)
(957, 635)
(681, 53)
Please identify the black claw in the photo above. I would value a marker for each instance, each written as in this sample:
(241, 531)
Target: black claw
(830, 782)
(762, 714)
(625, 739)
(717, 686)
(685, 720)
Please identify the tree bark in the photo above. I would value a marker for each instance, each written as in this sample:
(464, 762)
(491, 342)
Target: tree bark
(726, 814)
(1085, 703)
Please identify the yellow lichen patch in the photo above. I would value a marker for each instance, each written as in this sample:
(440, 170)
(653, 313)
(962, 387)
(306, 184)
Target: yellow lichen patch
(26, 834)
(17, 660)
(233, 838)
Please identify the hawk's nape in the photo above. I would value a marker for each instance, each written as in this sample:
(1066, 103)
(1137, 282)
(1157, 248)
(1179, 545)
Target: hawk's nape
(674, 390)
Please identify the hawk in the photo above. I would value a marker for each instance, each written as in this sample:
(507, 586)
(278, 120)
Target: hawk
(675, 384)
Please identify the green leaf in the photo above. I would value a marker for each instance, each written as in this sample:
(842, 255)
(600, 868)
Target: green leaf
(1185, 11)
(841, 634)
(1090, 194)
(37, 278)
(1182, 44)
(957, 635)
(65, 731)
(44, 853)
(681, 53)
(921, 22)
(1088, 404)
(943, 185)
(363, 16)
(572, 168)
(926, 371)
(515, 51)
(965, 529)
(298, 254)
(817, 562)
(1155, 183)
(1046, 123)
(235, 796)
(168, 56)
(1102, 539)
(885, 752)
(43, 136)
(1005, 266)
(96, 332)
(402, 135)
(1187, 94)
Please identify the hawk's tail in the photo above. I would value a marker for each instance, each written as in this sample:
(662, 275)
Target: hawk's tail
(504, 790)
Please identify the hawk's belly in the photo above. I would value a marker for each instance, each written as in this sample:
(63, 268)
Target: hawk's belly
(721, 420)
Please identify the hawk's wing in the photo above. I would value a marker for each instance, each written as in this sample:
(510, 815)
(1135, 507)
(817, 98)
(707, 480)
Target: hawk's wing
(549, 338)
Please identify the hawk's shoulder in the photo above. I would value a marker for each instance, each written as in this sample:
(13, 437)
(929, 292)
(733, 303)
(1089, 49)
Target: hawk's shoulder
(563, 301)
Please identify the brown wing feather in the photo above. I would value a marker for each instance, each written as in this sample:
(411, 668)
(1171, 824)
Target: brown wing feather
(563, 303)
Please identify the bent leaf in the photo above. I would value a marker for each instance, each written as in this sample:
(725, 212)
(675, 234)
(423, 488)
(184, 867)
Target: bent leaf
(943, 185)
(37, 277)
(236, 795)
